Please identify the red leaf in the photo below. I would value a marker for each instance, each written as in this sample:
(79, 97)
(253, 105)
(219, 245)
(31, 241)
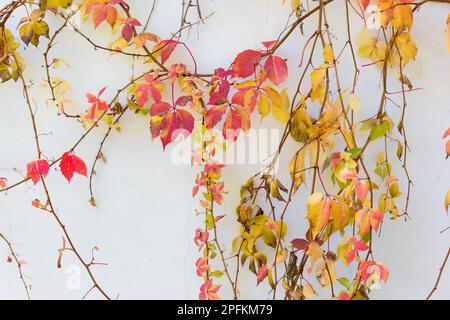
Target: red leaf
(167, 47)
(446, 133)
(35, 168)
(365, 4)
(245, 63)
(174, 124)
(214, 115)
(133, 22)
(183, 101)
(220, 96)
(447, 149)
(3, 182)
(9, 260)
(262, 274)
(71, 164)
(299, 244)
(269, 44)
(159, 108)
(232, 125)
(276, 69)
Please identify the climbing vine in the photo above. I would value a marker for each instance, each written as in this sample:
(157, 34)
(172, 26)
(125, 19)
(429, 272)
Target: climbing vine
(350, 195)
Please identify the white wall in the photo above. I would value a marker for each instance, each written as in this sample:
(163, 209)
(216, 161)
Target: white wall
(144, 221)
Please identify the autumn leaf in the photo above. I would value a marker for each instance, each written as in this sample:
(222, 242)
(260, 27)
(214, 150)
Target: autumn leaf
(361, 189)
(71, 164)
(3, 183)
(276, 68)
(326, 272)
(297, 169)
(366, 219)
(354, 103)
(447, 200)
(37, 168)
(214, 115)
(299, 244)
(128, 28)
(447, 33)
(447, 149)
(328, 54)
(402, 15)
(315, 252)
(202, 266)
(318, 212)
(301, 125)
(263, 105)
(231, 126)
(97, 104)
(151, 86)
(165, 48)
(59, 3)
(364, 4)
(245, 63)
(279, 103)
(176, 123)
(262, 274)
(208, 290)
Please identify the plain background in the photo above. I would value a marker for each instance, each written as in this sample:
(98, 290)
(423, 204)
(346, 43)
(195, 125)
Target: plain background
(145, 220)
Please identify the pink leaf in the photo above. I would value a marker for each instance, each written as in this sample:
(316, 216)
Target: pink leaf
(262, 274)
(361, 189)
(446, 133)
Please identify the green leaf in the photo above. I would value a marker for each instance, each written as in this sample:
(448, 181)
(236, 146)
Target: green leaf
(345, 282)
(217, 274)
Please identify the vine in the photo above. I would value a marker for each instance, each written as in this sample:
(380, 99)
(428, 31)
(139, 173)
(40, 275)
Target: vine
(349, 195)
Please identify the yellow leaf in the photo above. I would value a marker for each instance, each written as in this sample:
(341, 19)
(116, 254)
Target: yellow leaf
(295, 4)
(280, 110)
(340, 214)
(406, 47)
(326, 272)
(318, 76)
(318, 212)
(314, 252)
(300, 125)
(318, 82)
(354, 103)
(308, 291)
(297, 169)
(263, 105)
(328, 54)
(402, 16)
(447, 33)
(447, 200)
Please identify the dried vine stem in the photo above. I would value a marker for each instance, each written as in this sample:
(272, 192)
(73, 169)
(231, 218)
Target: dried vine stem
(19, 266)
(441, 270)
